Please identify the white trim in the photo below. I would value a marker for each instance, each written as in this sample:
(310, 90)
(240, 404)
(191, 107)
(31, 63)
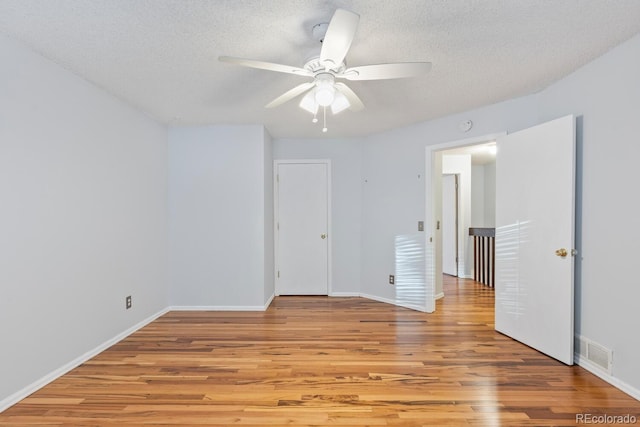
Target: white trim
(465, 142)
(224, 307)
(379, 299)
(393, 302)
(345, 294)
(217, 308)
(269, 301)
(276, 163)
(410, 307)
(57, 373)
(599, 372)
(438, 296)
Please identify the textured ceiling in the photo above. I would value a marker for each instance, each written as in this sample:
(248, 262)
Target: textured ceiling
(161, 55)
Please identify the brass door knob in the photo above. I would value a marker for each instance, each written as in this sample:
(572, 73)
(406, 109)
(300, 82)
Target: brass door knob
(323, 236)
(562, 252)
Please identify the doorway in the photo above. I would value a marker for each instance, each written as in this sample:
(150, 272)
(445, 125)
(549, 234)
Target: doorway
(434, 168)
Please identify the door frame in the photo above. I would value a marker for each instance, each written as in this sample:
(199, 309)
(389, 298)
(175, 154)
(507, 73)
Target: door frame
(276, 234)
(456, 221)
(433, 202)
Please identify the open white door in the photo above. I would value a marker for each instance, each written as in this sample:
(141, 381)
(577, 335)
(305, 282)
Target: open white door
(535, 181)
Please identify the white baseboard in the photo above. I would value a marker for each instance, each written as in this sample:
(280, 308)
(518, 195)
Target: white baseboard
(38, 384)
(438, 296)
(223, 307)
(269, 301)
(220, 307)
(344, 294)
(599, 372)
(379, 299)
(393, 302)
(411, 306)
(376, 298)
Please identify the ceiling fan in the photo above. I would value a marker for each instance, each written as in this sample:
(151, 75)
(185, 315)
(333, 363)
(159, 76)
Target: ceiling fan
(329, 65)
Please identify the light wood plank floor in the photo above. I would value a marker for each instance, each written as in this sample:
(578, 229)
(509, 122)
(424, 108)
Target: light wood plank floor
(325, 362)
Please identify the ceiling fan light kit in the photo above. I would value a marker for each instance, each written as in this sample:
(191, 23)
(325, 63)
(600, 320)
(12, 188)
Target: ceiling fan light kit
(328, 65)
(325, 89)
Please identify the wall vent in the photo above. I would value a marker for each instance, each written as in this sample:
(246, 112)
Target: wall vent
(595, 353)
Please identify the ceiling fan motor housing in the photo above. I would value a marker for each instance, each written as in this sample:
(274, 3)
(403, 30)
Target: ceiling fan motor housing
(314, 65)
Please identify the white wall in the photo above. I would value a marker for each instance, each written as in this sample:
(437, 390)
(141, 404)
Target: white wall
(483, 195)
(605, 97)
(346, 203)
(83, 218)
(220, 206)
(477, 196)
(460, 164)
(394, 171)
(490, 194)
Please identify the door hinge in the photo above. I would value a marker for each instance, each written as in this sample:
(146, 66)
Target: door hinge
(278, 274)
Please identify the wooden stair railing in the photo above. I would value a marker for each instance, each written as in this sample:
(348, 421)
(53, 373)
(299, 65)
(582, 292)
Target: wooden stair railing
(484, 255)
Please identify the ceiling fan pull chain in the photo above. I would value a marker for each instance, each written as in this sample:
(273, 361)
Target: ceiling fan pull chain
(324, 113)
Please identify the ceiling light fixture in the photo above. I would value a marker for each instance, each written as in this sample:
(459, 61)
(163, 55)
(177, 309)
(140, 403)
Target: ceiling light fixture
(325, 90)
(324, 95)
(340, 103)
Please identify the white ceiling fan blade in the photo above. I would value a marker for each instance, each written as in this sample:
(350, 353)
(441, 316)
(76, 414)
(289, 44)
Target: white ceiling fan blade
(356, 103)
(386, 71)
(338, 38)
(266, 65)
(290, 94)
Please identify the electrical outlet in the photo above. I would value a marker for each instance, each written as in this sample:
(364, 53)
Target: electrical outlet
(392, 279)
(127, 302)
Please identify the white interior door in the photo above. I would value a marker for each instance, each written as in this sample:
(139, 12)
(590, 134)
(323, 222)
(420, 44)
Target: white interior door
(450, 225)
(302, 228)
(535, 175)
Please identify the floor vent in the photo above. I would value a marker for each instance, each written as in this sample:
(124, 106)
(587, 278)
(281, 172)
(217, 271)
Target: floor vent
(595, 353)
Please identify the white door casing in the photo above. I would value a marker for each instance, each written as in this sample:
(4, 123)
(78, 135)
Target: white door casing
(534, 290)
(450, 225)
(302, 227)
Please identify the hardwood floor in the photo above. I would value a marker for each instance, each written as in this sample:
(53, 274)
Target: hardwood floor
(325, 362)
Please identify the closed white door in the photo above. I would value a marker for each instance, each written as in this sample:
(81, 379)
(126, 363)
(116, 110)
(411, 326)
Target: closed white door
(450, 224)
(535, 170)
(302, 228)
